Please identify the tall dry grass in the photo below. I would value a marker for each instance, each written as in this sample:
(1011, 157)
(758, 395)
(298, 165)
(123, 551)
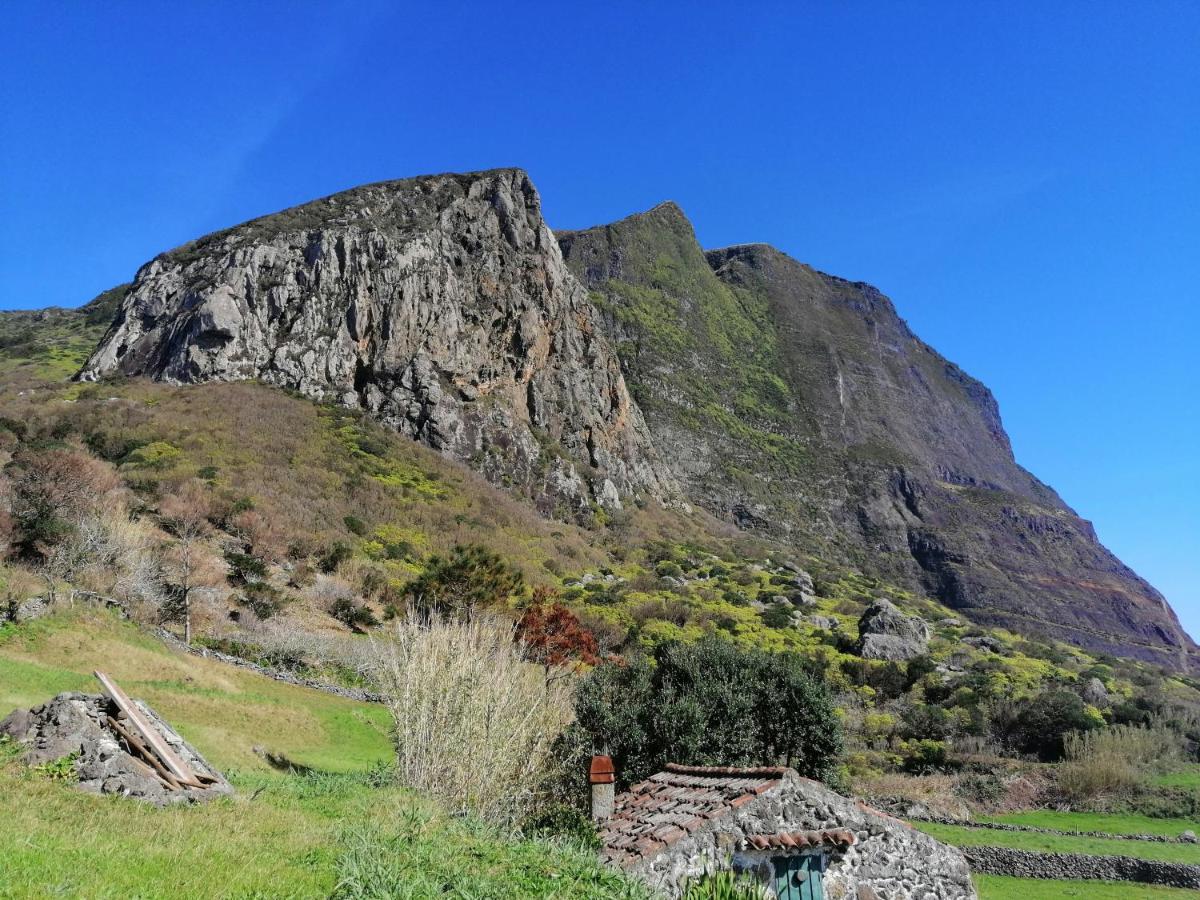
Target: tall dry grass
(1113, 762)
(474, 722)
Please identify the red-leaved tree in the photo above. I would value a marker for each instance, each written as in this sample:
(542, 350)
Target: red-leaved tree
(553, 635)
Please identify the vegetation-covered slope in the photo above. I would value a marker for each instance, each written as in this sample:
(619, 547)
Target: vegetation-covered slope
(803, 406)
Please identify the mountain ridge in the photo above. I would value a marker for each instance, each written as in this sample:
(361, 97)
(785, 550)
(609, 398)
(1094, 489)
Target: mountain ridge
(794, 403)
(921, 494)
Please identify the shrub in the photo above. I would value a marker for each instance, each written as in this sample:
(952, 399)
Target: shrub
(353, 614)
(263, 599)
(1042, 723)
(668, 569)
(337, 554)
(777, 615)
(355, 525)
(474, 723)
(468, 578)
(553, 636)
(52, 490)
(924, 756)
(709, 703)
(245, 568)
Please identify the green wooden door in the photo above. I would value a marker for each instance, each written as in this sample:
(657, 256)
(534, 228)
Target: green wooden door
(799, 877)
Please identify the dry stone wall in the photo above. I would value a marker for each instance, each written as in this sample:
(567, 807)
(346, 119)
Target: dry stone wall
(1028, 864)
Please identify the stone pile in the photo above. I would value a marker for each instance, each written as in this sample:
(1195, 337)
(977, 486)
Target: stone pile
(79, 727)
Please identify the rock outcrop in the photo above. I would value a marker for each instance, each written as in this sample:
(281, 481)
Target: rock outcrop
(71, 727)
(886, 633)
(439, 305)
(803, 407)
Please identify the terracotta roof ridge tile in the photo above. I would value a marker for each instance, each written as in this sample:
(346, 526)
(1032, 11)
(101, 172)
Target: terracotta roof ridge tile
(799, 840)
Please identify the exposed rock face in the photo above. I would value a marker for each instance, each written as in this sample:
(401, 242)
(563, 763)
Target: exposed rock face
(73, 723)
(440, 305)
(803, 407)
(886, 633)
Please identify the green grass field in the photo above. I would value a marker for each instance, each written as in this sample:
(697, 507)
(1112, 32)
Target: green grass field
(998, 887)
(961, 836)
(1112, 823)
(343, 831)
(1187, 778)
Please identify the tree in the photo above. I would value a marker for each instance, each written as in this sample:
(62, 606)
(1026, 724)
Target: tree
(51, 490)
(471, 576)
(1041, 724)
(185, 515)
(553, 636)
(709, 703)
(58, 499)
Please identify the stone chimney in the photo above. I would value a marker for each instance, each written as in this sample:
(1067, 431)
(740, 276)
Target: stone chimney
(602, 776)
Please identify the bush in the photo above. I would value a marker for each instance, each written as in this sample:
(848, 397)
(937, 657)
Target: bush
(668, 569)
(923, 757)
(245, 568)
(777, 615)
(353, 614)
(553, 636)
(474, 723)
(333, 557)
(263, 599)
(468, 578)
(1042, 723)
(709, 703)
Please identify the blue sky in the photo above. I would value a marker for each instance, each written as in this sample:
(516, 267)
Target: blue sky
(1023, 179)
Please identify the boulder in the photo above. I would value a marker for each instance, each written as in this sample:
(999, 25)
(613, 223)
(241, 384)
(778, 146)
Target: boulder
(1094, 692)
(886, 633)
(984, 642)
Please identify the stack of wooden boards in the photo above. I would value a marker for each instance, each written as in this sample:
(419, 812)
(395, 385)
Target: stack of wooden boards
(146, 744)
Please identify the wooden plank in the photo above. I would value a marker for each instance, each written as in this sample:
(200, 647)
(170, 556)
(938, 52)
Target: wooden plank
(155, 767)
(139, 724)
(147, 761)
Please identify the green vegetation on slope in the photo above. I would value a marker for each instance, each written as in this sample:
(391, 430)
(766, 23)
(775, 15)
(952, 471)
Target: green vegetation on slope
(52, 344)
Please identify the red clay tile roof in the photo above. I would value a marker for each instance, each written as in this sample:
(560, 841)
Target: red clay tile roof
(799, 840)
(661, 810)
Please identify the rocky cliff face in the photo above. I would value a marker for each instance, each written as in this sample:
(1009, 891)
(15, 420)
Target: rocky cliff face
(806, 408)
(794, 403)
(440, 305)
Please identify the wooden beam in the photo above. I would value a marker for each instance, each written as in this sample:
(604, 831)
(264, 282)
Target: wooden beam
(139, 724)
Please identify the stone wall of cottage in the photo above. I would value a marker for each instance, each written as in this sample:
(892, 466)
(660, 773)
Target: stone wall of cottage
(889, 860)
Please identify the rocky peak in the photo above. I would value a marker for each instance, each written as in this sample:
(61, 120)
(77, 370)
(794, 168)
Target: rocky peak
(806, 408)
(439, 304)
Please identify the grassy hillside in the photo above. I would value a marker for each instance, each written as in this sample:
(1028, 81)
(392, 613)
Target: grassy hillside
(341, 829)
(325, 504)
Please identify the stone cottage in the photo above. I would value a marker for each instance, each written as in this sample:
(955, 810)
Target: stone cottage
(793, 835)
